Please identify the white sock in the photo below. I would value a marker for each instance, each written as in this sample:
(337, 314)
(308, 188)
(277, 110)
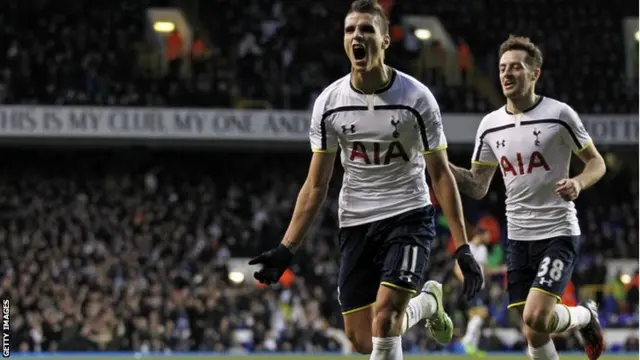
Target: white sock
(544, 352)
(420, 307)
(389, 348)
(567, 318)
(474, 329)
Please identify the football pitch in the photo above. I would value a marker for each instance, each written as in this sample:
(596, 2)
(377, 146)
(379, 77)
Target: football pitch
(327, 357)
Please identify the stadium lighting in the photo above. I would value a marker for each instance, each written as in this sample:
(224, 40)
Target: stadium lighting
(164, 26)
(236, 277)
(625, 279)
(637, 35)
(422, 34)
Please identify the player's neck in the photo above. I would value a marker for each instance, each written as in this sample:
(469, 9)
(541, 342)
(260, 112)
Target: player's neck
(368, 82)
(520, 105)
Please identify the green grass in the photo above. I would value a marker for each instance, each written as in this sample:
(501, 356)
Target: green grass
(337, 357)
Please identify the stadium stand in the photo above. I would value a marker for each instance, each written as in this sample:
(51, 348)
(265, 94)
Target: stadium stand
(133, 248)
(582, 60)
(130, 249)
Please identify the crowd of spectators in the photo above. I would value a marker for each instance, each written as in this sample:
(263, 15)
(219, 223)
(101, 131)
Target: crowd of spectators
(85, 54)
(584, 59)
(130, 250)
(286, 54)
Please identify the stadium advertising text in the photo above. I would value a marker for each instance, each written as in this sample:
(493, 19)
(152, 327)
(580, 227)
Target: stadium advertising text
(229, 124)
(169, 123)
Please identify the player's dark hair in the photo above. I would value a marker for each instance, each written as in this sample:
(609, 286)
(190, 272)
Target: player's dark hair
(534, 55)
(371, 7)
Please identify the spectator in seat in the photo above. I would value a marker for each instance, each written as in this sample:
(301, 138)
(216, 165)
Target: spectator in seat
(198, 54)
(174, 52)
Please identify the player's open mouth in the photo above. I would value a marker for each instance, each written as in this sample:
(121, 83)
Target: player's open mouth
(509, 84)
(359, 52)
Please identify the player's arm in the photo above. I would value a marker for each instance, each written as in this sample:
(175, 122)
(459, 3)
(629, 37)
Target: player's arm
(474, 182)
(487, 270)
(324, 144)
(274, 262)
(576, 136)
(446, 190)
(482, 261)
(444, 186)
(594, 167)
(310, 198)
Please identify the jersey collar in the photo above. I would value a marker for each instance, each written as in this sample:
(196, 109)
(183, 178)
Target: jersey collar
(384, 88)
(535, 104)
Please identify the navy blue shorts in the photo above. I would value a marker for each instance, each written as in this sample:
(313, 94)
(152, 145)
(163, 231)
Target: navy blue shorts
(543, 265)
(393, 252)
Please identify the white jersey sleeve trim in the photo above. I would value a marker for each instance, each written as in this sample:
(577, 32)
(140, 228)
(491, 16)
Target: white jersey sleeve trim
(484, 163)
(430, 122)
(439, 148)
(576, 135)
(482, 152)
(322, 138)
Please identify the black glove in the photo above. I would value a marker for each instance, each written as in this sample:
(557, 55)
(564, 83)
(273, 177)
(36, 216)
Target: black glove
(275, 262)
(473, 277)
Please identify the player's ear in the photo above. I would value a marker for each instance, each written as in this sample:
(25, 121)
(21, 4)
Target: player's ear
(386, 42)
(536, 74)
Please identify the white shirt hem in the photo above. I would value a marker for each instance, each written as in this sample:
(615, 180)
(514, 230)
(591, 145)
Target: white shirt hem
(370, 219)
(546, 236)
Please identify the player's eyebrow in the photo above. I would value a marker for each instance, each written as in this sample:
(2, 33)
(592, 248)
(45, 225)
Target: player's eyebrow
(368, 27)
(364, 27)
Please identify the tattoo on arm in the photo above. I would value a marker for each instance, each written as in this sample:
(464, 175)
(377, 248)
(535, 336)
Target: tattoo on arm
(475, 182)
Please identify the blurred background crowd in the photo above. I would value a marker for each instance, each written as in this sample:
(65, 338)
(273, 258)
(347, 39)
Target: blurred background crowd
(284, 55)
(140, 249)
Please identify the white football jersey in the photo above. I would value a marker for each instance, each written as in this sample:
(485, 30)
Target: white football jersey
(533, 151)
(480, 253)
(382, 139)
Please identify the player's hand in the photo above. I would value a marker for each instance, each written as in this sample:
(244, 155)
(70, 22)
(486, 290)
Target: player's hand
(274, 262)
(473, 277)
(568, 189)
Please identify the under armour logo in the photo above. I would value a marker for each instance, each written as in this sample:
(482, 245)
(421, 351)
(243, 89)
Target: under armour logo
(351, 128)
(406, 277)
(395, 124)
(500, 143)
(544, 281)
(536, 133)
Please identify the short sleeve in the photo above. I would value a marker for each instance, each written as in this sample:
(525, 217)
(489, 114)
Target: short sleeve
(575, 135)
(482, 152)
(322, 138)
(430, 124)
